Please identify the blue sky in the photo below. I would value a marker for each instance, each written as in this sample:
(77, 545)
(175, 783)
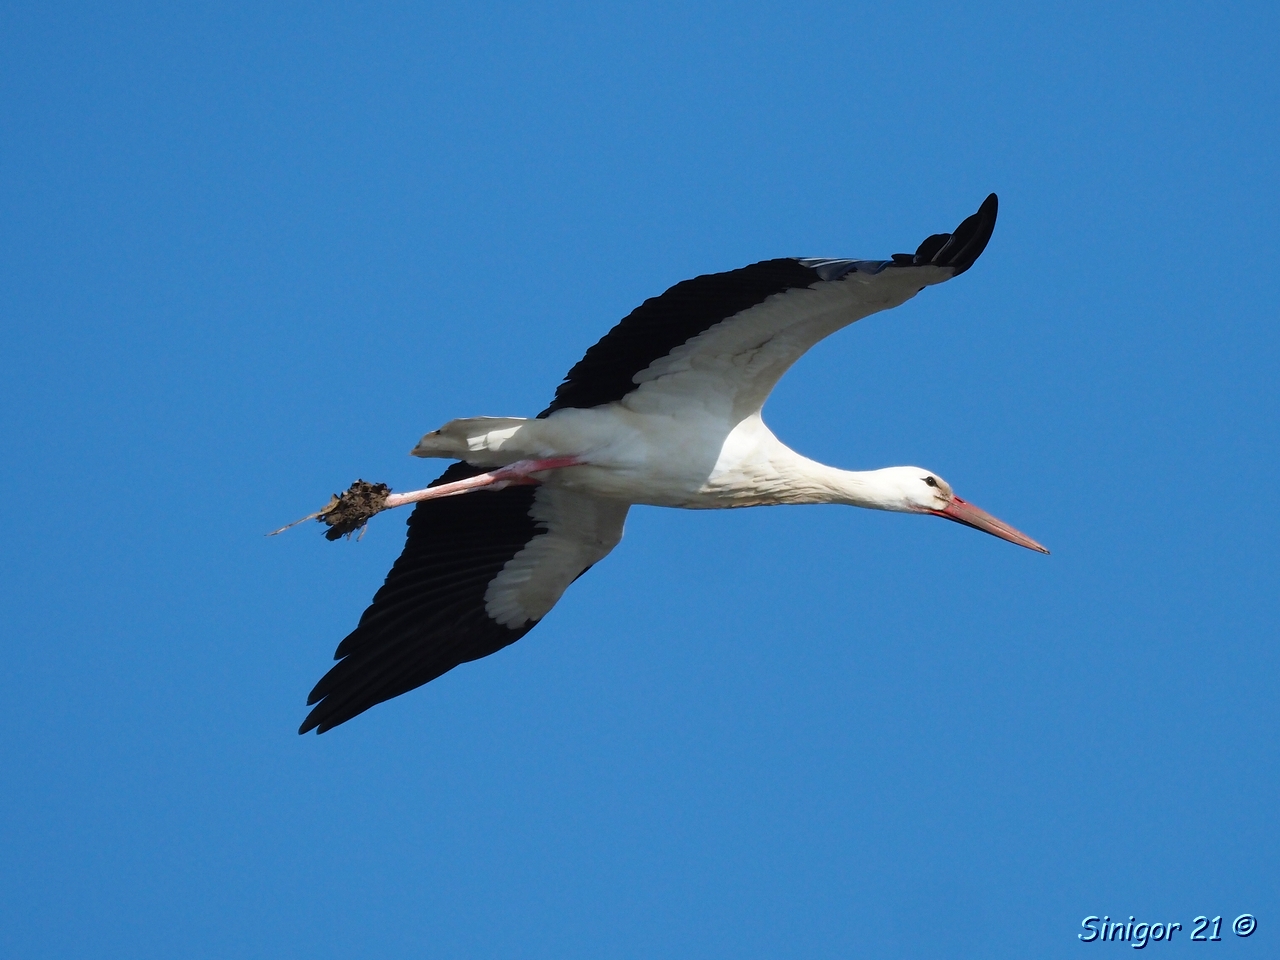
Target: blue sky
(250, 252)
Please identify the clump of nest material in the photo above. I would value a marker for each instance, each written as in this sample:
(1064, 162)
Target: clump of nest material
(348, 512)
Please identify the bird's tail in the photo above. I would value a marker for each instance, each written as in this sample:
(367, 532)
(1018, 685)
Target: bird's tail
(477, 440)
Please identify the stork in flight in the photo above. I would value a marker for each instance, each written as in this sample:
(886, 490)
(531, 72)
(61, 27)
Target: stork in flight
(664, 410)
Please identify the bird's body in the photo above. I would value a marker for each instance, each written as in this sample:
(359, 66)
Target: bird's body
(666, 411)
(698, 462)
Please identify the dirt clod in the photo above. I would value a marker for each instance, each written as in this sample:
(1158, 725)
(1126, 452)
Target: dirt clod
(349, 511)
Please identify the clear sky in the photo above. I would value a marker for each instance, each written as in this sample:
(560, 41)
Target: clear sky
(252, 251)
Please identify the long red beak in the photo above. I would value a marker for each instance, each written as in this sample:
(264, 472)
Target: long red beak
(971, 516)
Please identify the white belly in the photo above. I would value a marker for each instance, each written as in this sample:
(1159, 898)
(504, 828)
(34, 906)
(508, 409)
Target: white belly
(696, 463)
(696, 458)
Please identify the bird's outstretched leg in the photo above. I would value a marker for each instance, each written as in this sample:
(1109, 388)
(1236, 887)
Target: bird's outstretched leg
(513, 473)
(349, 511)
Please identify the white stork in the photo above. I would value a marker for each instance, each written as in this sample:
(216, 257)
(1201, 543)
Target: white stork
(664, 410)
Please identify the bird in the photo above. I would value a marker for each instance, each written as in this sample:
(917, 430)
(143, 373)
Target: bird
(664, 410)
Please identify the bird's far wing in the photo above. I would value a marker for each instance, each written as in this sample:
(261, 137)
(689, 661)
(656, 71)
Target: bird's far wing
(478, 572)
(732, 335)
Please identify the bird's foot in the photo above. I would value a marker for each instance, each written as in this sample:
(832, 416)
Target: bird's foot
(349, 511)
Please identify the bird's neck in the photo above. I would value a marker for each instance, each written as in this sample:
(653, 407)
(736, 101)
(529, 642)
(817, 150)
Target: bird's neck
(873, 489)
(767, 471)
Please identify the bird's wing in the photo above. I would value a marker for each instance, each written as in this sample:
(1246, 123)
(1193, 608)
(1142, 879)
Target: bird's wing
(728, 337)
(477, 573)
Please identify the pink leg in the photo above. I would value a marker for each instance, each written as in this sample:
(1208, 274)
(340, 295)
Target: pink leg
(514, 473)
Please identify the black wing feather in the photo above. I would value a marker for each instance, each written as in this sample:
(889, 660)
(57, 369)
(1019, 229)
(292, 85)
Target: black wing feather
(957, 250)
(429, 615)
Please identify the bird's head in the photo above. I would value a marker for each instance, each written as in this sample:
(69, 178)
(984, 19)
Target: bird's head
(917, 490)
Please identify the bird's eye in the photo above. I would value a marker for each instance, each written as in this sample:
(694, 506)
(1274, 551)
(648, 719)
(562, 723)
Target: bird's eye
(930, 481)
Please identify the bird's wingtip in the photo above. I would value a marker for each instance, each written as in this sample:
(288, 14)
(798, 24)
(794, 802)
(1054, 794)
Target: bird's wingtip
(971, 237)
(959, 249)
(315, 716)
(315, 723)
